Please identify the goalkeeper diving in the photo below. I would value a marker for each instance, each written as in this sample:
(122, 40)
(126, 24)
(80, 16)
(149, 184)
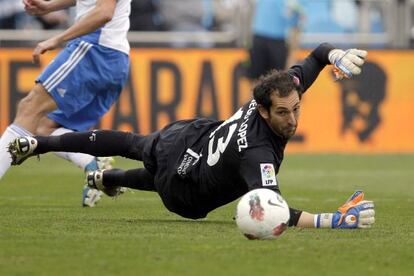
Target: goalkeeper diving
(201, 164)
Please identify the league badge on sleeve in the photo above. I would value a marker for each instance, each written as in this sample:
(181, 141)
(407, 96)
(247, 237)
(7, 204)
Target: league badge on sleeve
(268, 174)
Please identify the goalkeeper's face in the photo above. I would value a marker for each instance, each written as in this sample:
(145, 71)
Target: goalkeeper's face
(283, 114)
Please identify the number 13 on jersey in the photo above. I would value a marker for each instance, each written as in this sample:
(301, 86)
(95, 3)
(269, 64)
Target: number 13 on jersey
(222, 143)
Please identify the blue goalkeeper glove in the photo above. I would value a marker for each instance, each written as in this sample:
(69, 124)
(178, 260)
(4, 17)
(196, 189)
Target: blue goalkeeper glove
(355, 213)
(347, 63)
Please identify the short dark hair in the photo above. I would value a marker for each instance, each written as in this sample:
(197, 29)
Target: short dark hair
(275, 81)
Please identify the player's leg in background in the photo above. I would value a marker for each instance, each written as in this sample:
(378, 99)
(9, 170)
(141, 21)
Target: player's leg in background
(30, 111)
(277, 54)
(85, 79)
(84, 161)
(258, 58)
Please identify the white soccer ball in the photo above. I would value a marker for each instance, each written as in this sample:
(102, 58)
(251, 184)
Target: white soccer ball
(262, 214)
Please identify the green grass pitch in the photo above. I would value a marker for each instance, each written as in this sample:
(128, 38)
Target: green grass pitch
(44, 231)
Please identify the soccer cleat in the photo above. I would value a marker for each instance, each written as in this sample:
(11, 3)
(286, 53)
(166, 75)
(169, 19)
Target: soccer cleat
(106, 163)
(94, 180)
(91, 196)
(22, 148)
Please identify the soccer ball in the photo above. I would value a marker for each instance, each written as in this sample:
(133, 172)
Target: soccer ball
(262, 214)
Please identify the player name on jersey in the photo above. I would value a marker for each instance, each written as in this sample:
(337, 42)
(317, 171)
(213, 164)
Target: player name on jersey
(242, 131)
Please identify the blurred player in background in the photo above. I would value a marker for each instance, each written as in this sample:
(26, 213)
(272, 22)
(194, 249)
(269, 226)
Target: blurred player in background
(276, 30)
(199, 165)
(79, 86)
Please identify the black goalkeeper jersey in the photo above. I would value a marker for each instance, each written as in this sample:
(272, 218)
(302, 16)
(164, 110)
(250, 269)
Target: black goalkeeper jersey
(211, 163)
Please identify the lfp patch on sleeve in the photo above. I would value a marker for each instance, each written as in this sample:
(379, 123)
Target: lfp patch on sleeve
(268, 174)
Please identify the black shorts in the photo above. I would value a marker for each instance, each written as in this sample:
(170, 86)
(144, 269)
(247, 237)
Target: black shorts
(267, 54)
(166, 148)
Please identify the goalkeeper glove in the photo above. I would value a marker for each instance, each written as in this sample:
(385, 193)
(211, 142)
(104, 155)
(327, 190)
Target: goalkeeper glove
(355, 213)
(347, 63)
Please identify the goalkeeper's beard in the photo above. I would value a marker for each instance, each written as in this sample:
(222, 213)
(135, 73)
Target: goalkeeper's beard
(284, 132)
(289, 132)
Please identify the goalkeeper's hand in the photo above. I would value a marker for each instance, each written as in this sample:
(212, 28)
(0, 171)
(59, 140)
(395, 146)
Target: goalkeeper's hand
(347, 63)
(355, 213)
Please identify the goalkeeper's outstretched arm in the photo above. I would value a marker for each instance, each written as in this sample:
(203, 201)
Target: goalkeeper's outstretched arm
(345, 64)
